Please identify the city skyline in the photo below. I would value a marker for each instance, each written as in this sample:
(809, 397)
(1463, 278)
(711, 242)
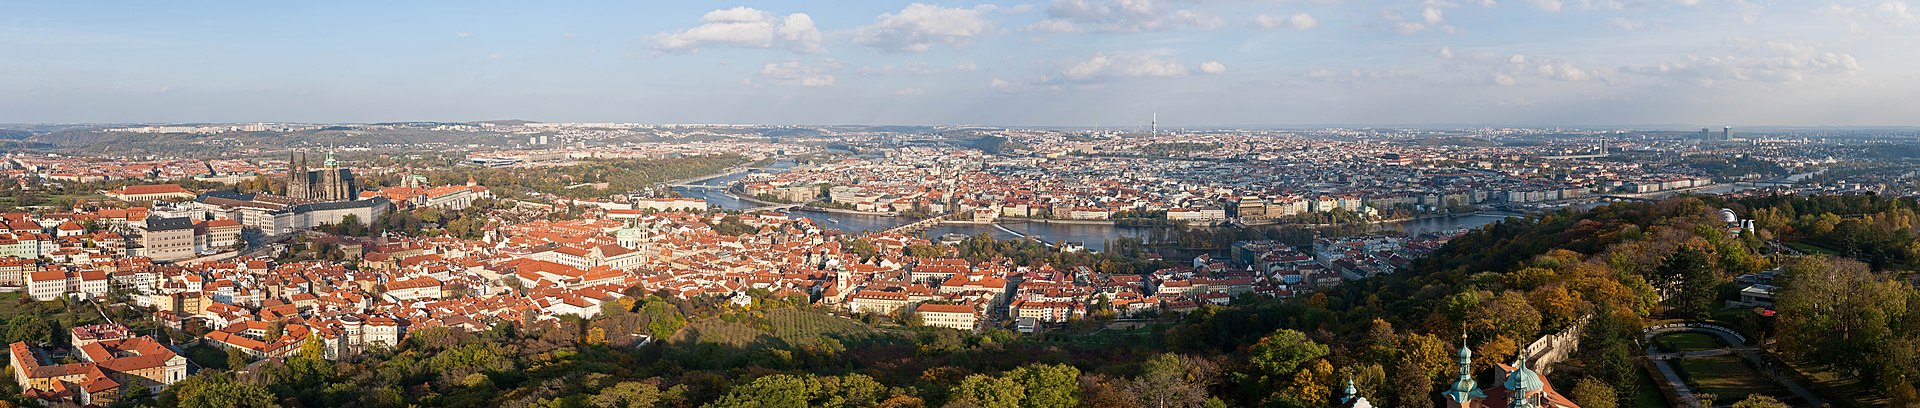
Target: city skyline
(1059, 63)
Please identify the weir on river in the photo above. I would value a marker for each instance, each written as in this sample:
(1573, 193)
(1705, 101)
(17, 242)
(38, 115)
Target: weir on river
(1023, 236)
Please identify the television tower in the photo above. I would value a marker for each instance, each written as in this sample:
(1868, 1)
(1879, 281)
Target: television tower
(1156, 124)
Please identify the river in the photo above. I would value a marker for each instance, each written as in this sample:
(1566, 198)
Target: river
(1094, 236)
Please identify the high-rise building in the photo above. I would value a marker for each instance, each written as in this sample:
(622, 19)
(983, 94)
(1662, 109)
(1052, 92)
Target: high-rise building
(329, 183)
(1726, 133)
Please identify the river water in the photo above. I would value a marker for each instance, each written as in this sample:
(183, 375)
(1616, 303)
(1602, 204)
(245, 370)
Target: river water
(1093, 236)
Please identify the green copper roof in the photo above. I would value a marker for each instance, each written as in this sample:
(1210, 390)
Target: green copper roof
(1523, 379)
(1464, 390)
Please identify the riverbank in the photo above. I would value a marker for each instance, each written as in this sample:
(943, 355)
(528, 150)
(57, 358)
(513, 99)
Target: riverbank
(1056, 221)
(806, 207)
(742, 196)
(698, 179)
(1202, 224)
(1485, 213)
(817, 209)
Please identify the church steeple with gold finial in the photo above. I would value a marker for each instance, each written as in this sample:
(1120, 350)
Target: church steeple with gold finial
(1464, 391)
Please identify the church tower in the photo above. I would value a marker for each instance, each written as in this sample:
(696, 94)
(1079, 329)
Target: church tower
(299, 182)
(1523, 385)
(1464, 391)
(1351, 397)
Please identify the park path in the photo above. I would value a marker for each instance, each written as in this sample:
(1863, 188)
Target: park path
(1751, 354)
(1673, 377)
(1774, 372)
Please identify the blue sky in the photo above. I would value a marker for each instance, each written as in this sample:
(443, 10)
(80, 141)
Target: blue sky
(1058, 62)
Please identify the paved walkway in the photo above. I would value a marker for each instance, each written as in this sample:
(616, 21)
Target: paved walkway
(1673, 377)
(1751, 354)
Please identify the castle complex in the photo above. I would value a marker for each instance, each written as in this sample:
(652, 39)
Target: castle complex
(329, 183)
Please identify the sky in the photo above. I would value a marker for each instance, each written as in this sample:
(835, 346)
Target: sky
(1107, 63)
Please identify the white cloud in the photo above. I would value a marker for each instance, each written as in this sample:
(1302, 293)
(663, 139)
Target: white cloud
(797, 29)
(1213, 67)
(1191, 18)
(1895, 9)
(743, 27)
(1547, 68)
(1602, 5)
(909, 91)
(797, 73)
(1121, 16)
(914, 69)
(1503, 79)
(1300, 21)
(1750, 60)
(1432, 18)
(1548, 5)
(917, 27)
(1303, 21)
(1104, 67)
(1053, 26)
(1563, 71)
(463, 34)
(1894, 13)
(1445, 52)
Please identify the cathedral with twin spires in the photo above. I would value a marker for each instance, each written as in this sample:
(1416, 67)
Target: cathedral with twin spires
(328, 183)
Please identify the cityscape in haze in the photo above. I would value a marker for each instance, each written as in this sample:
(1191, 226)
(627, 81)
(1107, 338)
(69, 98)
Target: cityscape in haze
(1053, 203)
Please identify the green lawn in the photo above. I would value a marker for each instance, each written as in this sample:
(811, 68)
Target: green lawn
(65, 314)
(207, 356)
(1650, 395)
(1727, 377)
(10, 302)
(1690, 341)
(792, 326)
(1843, 390)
